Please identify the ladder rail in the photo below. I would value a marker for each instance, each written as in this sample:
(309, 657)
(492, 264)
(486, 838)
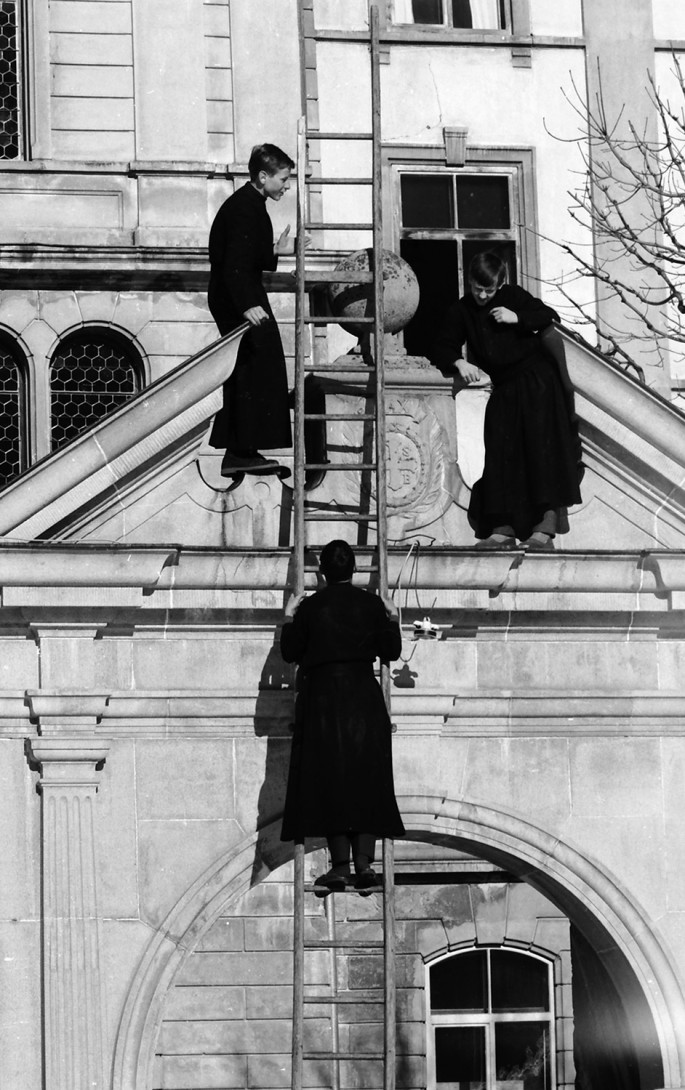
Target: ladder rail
(297, 1068)
(300, 361)
(372, 467)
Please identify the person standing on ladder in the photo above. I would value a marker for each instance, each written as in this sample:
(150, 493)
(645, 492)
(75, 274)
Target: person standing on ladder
(256, 410)
(340, 783)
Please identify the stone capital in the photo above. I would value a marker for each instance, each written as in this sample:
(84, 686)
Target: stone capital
(68, 762)
(66, 710)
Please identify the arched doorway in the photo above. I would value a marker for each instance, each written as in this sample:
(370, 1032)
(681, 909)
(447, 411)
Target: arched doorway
(609, 922)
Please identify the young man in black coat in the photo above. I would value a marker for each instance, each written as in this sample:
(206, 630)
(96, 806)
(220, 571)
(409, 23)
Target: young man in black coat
(256, 410)
(340, 783)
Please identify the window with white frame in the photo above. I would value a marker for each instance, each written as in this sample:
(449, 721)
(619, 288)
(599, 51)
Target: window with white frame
(459, 14)
(491, 1021)
(446, 216)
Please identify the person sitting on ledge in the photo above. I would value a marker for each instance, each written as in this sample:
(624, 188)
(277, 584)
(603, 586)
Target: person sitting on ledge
(533, 462)
(340, 783)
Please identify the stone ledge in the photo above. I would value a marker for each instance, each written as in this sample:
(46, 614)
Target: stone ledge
(30, 563)
(269, 713)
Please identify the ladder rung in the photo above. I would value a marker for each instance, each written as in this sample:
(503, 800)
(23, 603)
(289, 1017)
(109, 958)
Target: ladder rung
(340, 181)
(343, 944)
(339, 135)
(340, 466)
(353, 1057)
(365, 999)
(344, 516)
(360, 571)
(339, 415)
(331, 369)
(332, 277)
(315, 226)
(330, 319)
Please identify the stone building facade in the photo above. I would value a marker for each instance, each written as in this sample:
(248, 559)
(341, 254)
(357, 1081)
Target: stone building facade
(146, 901)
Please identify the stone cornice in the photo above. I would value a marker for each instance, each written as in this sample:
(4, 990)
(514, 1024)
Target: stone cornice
(226, 713)
(652, 579)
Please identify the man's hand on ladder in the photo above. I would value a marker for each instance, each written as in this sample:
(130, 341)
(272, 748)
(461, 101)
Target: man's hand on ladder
(293, 604)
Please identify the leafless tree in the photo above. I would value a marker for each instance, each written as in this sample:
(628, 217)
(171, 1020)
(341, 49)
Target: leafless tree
(631, 197)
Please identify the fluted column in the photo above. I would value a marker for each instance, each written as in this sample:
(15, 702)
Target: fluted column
(72, 987)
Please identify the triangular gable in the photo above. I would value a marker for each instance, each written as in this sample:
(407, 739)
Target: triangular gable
(144, 476)
(127, 447)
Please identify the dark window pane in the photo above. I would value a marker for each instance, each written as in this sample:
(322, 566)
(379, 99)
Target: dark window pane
(460, 1057)
(427, 200)
(92, 374)
(436, 264)
(505, 250)
(461, 13)
(518, 982)
(427, 11)
(483, 202)
(460, 983)
(522, 1055)
(484, 15)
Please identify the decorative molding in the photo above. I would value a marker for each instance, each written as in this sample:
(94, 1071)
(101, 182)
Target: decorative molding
(455, 146)
(644, 574)
(73, 993)
(441, 713)
(63, 710)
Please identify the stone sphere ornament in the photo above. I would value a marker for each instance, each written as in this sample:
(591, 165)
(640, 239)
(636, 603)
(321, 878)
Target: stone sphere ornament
(400, 293)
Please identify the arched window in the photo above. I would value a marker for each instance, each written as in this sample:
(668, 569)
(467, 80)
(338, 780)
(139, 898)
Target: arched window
(12, 412)
(93, 372)
(491, 1024)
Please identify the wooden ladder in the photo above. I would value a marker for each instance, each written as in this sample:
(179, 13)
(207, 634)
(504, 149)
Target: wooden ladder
(369, 374)
(336, 998)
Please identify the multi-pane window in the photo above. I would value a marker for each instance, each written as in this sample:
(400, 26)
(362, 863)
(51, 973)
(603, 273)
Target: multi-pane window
(460, 14)
(12, 421)
(92, 373)
(445, 219)
(491, 1024)
(10, 80)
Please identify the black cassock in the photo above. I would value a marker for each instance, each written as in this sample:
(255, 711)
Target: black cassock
(341, 777)
(256, 411)
(532, 447)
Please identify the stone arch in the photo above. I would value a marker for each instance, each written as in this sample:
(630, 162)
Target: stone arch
(592, 898)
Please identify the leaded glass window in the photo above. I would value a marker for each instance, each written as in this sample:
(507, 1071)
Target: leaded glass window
(10, 80)
(12, 417)
(93, 372)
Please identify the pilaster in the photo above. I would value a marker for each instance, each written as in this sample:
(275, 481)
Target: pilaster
(72, 985)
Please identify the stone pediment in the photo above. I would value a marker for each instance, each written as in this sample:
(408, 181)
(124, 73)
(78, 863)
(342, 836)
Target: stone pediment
(146, 476)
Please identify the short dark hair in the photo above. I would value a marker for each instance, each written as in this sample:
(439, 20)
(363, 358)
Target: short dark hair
(487, 270)
(269, 158)
(337, 561)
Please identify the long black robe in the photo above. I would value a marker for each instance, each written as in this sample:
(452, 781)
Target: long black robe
(532, 449)
(341, 777)
(256, 411)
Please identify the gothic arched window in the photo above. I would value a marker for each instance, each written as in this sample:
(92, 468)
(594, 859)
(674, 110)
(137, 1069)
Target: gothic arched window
(491, 1021)
(92, 373)
(12, 411)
